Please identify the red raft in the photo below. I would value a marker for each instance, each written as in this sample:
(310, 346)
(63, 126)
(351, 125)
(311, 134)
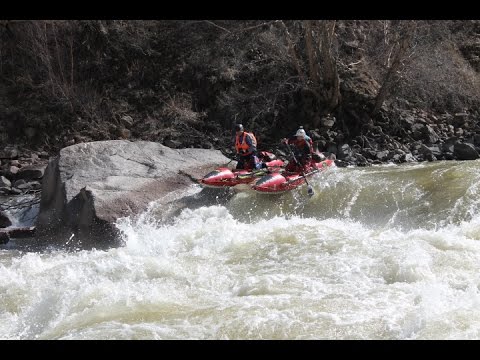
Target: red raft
(277, 182)
(225, 177)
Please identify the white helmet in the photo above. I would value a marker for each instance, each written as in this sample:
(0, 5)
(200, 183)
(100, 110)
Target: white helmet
(300, 132)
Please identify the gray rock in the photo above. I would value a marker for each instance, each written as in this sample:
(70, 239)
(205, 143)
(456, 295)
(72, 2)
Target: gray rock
(9, 153)
(35, 185)
(15, 191)
(327, 122)
(13, 170)
(4, 182)
(24, 186)
(382, 155)
(174, 144)
(31, 172)
(431, 135)
(19, 182)
(88, 186)
(4, 237)
(459, 119)
(344, 151)
(418, 131)
(408, 158)
(465, 151)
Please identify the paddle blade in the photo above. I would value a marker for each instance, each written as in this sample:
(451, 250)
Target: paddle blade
(310, 191)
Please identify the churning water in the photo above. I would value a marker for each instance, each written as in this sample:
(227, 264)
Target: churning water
(387, 252)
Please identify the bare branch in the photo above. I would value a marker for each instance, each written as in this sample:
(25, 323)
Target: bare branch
(399, 56)
(291, 48)
(260, 25)
(354, 63)
(220, 27)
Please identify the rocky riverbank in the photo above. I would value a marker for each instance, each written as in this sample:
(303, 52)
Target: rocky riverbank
(21, 175)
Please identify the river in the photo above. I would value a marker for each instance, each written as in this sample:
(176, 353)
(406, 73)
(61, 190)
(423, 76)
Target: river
(382, 252)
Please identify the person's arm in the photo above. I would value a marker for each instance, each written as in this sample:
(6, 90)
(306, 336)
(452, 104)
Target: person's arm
(291, 140)
(309, 147)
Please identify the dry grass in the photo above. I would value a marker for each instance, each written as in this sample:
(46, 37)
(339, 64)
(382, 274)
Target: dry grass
(178, 108)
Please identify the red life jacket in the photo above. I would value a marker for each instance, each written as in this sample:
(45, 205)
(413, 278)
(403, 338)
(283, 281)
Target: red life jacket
(241, 144)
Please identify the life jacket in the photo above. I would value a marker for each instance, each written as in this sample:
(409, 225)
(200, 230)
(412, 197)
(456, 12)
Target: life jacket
(297, 143)
(299, 146)
(241, 144)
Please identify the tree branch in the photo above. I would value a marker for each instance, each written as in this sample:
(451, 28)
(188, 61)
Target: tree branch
(293, 54)
(212, 23)
(263, 24)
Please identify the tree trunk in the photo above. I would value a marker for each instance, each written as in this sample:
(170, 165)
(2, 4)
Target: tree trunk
(312, 61)
(403, 46)
(330, 74)
(293, 54)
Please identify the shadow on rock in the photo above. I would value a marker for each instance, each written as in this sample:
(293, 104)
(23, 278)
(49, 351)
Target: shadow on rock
(167, 212)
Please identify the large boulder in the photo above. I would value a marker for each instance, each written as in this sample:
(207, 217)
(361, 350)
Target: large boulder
(465, 151)
(31, 172)
(88, 186)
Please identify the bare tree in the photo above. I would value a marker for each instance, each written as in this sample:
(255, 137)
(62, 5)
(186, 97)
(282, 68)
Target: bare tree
(399, 51)
(312, 59)
(323, 79)
(292, 51)
(331, 80)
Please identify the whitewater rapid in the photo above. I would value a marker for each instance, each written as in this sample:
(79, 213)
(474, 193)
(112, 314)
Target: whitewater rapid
(387, 252)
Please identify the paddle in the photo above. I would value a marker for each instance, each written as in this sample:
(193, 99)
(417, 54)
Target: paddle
(310, 191)
(254, 173)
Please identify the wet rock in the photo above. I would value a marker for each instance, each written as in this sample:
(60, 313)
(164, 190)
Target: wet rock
(4, 237)
(465, 151)
(4, 220)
